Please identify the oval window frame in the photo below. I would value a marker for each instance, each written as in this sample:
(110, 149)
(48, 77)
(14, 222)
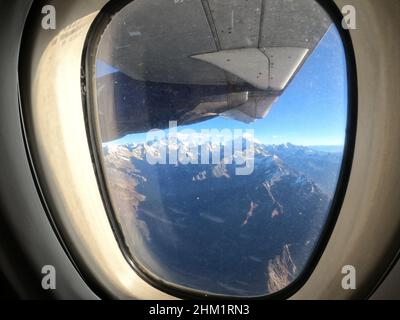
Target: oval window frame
(92, 129)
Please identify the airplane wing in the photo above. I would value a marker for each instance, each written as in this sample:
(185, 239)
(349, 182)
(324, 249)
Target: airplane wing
(193, 60)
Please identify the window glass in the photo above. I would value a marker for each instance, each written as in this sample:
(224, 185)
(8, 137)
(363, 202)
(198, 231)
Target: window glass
(222, 126)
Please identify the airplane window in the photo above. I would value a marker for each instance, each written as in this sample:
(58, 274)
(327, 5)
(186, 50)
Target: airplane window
(220, 129)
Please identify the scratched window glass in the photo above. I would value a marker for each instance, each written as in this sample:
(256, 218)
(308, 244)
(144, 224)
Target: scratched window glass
(222, 126)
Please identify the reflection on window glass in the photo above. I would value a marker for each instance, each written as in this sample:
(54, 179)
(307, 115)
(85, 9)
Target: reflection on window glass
(222, 126)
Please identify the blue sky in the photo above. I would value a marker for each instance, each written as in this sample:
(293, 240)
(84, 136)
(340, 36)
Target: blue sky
(311, 111)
